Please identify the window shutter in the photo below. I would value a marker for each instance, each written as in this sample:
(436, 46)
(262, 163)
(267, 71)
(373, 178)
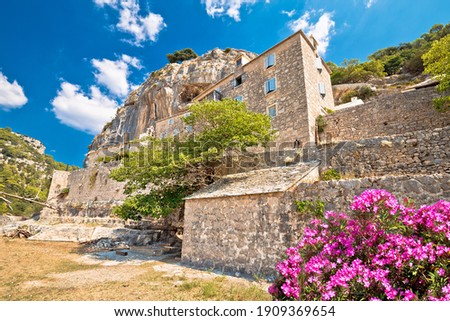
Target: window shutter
(271, 60)
(319, 65)
(322, 88)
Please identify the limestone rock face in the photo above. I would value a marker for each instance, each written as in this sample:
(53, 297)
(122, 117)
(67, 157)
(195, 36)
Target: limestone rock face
(165, 93)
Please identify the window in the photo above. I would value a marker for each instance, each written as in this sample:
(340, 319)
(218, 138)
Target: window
(322, 88)
(237, 81)
(215, 95)
(170, 121)
(176, 132)
(319, 65)
(239, 62)
(271, 85)
(187, 114)
(272, 111)
(189, 128)
(269, 61)
(238, 98)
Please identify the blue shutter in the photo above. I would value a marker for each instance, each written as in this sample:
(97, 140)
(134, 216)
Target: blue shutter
(272, 112)
(269, 61)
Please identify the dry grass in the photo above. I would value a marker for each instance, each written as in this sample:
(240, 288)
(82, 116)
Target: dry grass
(56, 271)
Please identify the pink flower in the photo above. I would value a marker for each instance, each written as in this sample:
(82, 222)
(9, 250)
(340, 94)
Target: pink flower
(408, 295)
(385, 249)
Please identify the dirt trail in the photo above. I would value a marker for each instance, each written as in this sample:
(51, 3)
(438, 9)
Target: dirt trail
(31, 270)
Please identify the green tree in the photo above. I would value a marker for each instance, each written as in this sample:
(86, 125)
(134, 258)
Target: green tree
(173, 168)
(28, 180)
(437, 63)
(181, 55)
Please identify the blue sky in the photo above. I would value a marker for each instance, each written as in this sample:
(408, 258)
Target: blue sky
(66, 65)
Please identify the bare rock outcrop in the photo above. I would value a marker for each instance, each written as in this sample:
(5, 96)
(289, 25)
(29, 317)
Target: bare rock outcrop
(166, 92)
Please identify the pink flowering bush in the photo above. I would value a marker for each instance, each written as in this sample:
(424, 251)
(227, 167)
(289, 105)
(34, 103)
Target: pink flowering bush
(383, 251)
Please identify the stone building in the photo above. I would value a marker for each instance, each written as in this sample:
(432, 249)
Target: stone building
(244, 222)
(289, 82)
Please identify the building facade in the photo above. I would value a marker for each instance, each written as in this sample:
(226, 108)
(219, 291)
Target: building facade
(289, 82)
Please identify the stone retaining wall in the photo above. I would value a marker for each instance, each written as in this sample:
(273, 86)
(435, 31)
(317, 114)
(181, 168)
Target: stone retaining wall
(420, 152)
(338, 194)
(391, 115)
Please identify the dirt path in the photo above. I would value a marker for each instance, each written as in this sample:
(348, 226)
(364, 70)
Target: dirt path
(57, 271)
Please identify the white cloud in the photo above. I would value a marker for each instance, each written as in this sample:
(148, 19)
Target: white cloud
(113, 74)
(321, 30)
(11, 94)
(132, 61)
(102, 3)
(290, 14)
(231, 8)
(370, 3)
(143, 28)
(85, 112)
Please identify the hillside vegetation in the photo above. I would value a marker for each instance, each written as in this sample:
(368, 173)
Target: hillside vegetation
(406, 58)
(24, 171)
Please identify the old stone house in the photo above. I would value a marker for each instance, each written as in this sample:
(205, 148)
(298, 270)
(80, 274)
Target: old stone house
(289, 82)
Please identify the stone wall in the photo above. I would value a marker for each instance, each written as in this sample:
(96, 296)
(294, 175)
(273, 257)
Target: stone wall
(171, 126)
(316, 101)
(243, 233)
(296, 98)
(94, 184)
(250, 233)
(338, 194)
(420, 152)
(60, 181)
(395, 114)
(91, 195)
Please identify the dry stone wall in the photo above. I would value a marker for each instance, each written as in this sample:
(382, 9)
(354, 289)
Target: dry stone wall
(391, 115)
(94, 184)
(426, 152)
(338, 194)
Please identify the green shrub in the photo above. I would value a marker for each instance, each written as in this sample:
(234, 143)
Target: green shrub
(181, 55)
(329, 175)
(64, 191)
(363, 93)
(316, 208)
(321, 124)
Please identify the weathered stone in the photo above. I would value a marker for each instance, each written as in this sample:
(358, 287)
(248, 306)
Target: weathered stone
(215, 235)
(164, 94)
(404, 112)
(386, 143)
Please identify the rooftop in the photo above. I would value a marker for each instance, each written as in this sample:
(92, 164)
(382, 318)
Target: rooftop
(270, 180)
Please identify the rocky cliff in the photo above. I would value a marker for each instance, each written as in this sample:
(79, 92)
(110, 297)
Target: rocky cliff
(25, 171)
(166, 92)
